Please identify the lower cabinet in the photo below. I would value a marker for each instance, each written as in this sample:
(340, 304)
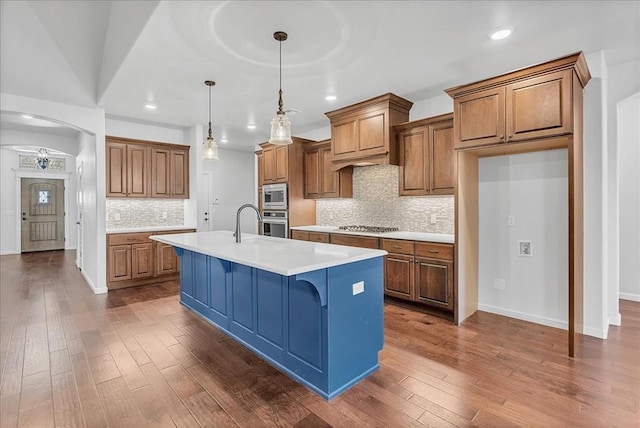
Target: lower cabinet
(420, 272)
(134, 259)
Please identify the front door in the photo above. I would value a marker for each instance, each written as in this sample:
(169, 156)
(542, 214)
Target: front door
(42, 214)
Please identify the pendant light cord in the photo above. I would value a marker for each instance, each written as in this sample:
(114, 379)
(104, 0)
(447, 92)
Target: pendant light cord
(210, 112)
(280, 92)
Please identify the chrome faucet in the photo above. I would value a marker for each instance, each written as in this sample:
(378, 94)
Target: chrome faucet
(237, 232)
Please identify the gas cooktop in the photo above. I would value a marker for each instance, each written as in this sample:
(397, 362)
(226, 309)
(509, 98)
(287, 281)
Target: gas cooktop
(368, 229)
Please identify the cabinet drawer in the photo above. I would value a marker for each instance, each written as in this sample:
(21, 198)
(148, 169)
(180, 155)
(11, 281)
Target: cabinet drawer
(301, 235)
(355, 241)
(397, 246)
(129, 238)
(434, 251)
(319, 237)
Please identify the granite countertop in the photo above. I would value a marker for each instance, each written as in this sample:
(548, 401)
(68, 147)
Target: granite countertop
(409, 236)
(282, 256)
(148, 229)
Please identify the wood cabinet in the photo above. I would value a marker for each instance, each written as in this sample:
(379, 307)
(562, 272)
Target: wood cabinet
(363, 133)
(525, 109)
(304, 235)
(301, 235)
(285, 164)
(420, 272)
(275, 164)
(134, 259)
(127, 169)
(355, 241)
(427, 161)
(143, 169)
(320, 181)
(169, 172)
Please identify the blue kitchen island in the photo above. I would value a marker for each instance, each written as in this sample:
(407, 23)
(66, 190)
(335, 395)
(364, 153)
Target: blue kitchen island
(313, 310)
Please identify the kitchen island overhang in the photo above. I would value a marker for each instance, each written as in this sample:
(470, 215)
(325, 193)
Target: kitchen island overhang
(313, 310)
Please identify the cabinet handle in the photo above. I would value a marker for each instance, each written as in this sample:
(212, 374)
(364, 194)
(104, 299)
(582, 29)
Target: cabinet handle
(434, 251)
(398, 247)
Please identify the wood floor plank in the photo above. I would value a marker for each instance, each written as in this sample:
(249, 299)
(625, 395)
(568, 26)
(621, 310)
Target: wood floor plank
(138, 357)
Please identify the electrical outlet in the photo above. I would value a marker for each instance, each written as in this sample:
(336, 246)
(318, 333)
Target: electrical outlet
(511, 220)
(165, 215)
(358, 288)
(499, 284)
(434, 219)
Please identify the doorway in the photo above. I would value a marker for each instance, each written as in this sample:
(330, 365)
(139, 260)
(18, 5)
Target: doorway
(42, 210)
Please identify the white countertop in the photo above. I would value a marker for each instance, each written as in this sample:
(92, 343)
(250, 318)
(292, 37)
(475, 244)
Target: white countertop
(410, 236)
(148, 229)
(282, 256)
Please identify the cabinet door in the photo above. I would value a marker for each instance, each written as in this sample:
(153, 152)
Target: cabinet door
(479, 118)
(319, 237)
(282, 164)
(442, 158)
(142, 260)
(371, 133)
(414, 162)
(260, 170)
(539, 107)
(166, 259)
(160, 173)
(329, 180)
(398, 276)
(344, 139)
(137, 171)
(301, 235)
(269, 164)
(179, 174)
(354, 241)
(119, 262)
(312, 174)
(434, 282)
(116, 169)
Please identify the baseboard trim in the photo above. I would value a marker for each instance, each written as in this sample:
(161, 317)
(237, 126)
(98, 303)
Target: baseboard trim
(95, 289)
(615, 319)
(525, 317)
(595, 332)
(630, 296)
(7, 253)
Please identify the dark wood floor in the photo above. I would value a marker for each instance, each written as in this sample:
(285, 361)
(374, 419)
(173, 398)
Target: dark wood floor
(136, 357)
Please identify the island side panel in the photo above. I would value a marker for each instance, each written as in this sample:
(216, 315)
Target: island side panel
(356, 322)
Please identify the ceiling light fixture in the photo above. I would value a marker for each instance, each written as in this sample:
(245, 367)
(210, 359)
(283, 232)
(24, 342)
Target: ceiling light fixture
(280, 124)
(251, 126)
(42, 161)
(501, 33)
(330, 98)
(150, 106)
(224, 140)
(27, 116)
(209, 146)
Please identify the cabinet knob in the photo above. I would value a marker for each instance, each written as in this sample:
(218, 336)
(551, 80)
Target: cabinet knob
(502, 137)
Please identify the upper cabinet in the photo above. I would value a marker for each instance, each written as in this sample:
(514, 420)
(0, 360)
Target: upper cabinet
(529, 104)
(143, 169)
(275, 164)
(362, 134)
(427, 162)
(320, 181)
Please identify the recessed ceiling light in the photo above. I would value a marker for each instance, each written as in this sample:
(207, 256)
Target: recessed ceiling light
(501, 33)
(150, 106)
(27, 116)
(251, 126)
(330, 98)
(224, 140)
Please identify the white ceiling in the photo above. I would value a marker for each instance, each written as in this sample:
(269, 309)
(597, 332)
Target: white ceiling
(120, 55)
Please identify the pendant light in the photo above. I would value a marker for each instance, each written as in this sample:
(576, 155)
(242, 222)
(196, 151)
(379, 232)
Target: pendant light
(280, 124)
(209, 146)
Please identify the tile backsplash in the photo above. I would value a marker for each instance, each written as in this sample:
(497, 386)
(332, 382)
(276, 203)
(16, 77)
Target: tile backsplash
(376, 202)
(127, 213)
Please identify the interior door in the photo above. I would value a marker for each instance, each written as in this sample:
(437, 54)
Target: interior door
(205, 212)
(42, 203)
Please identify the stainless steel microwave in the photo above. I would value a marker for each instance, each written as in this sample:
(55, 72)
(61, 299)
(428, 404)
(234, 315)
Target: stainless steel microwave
(274, 196)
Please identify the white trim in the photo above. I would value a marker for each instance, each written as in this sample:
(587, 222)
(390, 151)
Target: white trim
(6, 253)
(615, 319)
(630, 296)
(594, 332)
(525, 317)
(30, 173)
(93, 287)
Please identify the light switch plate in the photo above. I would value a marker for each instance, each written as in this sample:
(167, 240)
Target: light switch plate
(358, 288)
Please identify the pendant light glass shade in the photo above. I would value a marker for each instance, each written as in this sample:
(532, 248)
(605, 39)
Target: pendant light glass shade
(280, 124)
(209, 146)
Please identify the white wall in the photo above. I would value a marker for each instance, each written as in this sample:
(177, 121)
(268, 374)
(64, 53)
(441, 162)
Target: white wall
(442, 104)
(628, 124)
(533, 188)
(143, 131)
(233, 183)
